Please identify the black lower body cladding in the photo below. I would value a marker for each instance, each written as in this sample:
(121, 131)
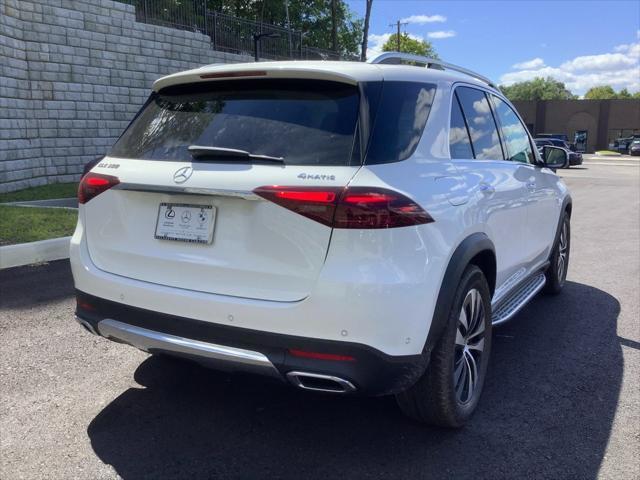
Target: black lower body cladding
(372, 372)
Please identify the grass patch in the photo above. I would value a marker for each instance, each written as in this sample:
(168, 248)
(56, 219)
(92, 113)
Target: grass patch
(43, 192)
(29, 224)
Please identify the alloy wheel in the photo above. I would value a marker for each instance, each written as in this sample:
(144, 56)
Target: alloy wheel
(563, 247)
(469, 346)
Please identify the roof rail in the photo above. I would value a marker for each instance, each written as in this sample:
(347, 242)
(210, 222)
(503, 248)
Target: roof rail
(396, 58)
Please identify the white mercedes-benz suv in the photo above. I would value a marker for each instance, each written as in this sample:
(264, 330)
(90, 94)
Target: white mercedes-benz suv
(346, 227)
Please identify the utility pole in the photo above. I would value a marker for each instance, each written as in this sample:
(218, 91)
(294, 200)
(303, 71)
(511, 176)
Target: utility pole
(398, 24)
(334, 26)
(365, 35)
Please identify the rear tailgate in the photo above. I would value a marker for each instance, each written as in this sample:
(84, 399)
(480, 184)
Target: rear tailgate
(257, 249)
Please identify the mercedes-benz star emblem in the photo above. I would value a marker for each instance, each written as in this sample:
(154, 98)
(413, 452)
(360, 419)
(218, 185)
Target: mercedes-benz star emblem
(182, 174)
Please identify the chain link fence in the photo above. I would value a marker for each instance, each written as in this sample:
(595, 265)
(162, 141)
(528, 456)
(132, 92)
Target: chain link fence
(229, 33)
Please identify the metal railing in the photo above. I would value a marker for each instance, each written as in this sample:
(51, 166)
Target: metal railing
(229, 33)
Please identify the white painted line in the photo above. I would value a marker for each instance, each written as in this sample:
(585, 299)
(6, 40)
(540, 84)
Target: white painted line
(34, 252)
(610, 164)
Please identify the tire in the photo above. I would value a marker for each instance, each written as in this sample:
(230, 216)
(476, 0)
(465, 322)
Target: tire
(559, 260)
(437, 398)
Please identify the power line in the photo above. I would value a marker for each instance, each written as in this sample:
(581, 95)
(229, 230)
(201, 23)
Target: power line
(398, 24)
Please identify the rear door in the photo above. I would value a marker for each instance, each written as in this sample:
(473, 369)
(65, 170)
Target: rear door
(498, 187)
(249, 247)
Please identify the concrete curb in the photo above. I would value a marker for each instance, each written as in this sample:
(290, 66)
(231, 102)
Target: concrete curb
(34, 252)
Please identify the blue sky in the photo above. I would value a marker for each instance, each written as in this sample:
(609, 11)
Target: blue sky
(582, 43)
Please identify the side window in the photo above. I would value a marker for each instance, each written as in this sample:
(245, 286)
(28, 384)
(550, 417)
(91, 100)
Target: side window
(514, 133)
(401, 117)
(459, 143)
(482, 126)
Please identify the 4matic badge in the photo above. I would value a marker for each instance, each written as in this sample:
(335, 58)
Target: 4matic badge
(316, 176)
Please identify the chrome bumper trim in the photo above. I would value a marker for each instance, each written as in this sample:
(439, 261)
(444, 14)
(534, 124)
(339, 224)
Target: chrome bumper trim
(226, 358)
(218, 192)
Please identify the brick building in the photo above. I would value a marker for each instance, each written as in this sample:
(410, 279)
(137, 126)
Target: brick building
(602, 120)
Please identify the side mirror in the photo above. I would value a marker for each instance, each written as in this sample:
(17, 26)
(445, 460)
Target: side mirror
(555, 157)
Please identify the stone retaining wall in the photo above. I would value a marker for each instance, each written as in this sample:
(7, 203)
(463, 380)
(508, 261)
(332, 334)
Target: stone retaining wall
(72, 75)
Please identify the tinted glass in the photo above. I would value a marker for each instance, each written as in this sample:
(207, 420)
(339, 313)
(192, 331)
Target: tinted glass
(514, 133)
(482, 127)
(400, 119)
(459, 144)
(306, 122)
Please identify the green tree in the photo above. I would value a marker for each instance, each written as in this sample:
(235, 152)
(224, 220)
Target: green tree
(603, 92)
(409, 45)
(537, 89)
(624, 93)
(314, 18)
(606, 92)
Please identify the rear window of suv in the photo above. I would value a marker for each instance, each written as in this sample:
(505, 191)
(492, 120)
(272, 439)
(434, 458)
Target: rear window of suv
(307, 122)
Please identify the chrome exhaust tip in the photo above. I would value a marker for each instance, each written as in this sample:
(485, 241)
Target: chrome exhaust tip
(320, 383)
(87, 326)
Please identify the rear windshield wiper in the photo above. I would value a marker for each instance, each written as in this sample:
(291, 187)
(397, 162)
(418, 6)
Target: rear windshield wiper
(201, 152)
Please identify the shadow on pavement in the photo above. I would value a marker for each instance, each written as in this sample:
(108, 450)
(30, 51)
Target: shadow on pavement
(547, 411)
(24, 287)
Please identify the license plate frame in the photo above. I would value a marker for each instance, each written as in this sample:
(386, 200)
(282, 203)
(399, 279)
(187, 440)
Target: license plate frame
(185, 227)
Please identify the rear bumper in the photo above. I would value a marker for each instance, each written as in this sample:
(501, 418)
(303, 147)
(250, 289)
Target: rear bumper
(376, 288)
(369, 371)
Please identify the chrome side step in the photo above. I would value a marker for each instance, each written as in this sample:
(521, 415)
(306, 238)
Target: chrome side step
(518, 299)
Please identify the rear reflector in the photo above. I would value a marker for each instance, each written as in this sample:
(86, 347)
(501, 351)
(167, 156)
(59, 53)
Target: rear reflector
(93, 184)
(321, 356)
(351, 207)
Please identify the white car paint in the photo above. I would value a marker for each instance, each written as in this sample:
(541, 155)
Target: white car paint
(272, 270)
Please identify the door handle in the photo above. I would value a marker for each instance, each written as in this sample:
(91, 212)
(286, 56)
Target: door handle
(531, 185)
(486, 188)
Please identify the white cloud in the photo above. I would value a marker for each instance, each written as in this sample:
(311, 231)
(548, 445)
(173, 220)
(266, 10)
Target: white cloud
(375, 43)
(441, 34)
(631, 49)
(620, 69)
(422, 19)
(604, 62)
(529, 64)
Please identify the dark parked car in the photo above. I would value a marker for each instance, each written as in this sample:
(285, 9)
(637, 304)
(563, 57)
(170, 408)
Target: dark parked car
(561, 136)
(634, 148)
(575, 158)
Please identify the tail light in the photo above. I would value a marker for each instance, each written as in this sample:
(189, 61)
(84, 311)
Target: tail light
(93, 184)
(350, 207)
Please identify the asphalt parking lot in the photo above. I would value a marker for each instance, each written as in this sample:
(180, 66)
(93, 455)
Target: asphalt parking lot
(562, 398)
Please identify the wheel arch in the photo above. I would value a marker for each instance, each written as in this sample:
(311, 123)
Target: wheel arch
(567, 207)
(476, 249)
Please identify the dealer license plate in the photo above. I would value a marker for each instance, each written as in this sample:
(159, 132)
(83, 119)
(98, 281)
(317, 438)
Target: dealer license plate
(185, 223)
